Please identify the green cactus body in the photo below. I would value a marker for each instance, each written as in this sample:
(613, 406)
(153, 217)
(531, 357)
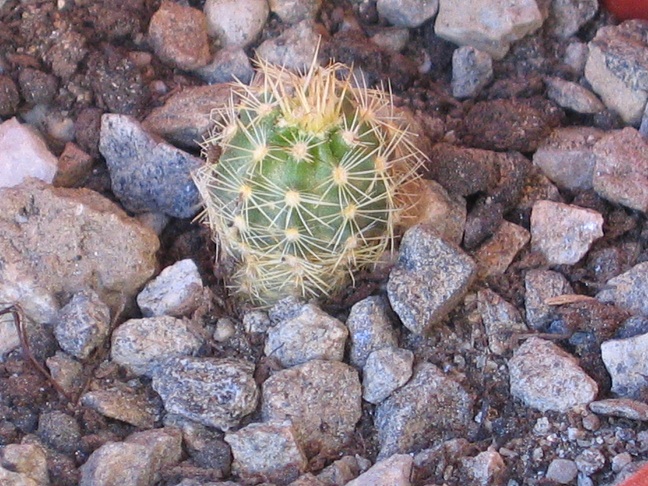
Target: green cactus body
(309, 184)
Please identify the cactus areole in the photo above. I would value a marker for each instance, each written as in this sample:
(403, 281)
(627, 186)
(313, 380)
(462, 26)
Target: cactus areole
(310, 181)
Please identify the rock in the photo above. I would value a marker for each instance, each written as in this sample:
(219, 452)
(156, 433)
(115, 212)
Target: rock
(393, 39)
(205, 446)
(9, 97)
(256, 322)
(567, 157)
(82, 324)
(267, 450)
(138, 461)
(429, 409)
(625, 360)
(26, 465)
(617, 69)
(217, 392)
(485, 469)
(621, 407)
(90, 244)
(118, 404)
(495, 255)
(563, 233)
(229, 64)
(488, 26)
(23, 154)
(576, 56)
(546, 378)
(619, 461)
(407, 13)
(66, 371)
(472, 70)
(176, 292)
(37, 87)
(294, 11)
(236, 23)
(566, 17)
(370, 328)
(621, 171)
(628, 290)
(312, 334)
(562, 471)
(343, 470)
(590, 461)
(178, 35)
(386, 370)
(392, 471)
(294, 49)
(74, 166)
(307, 480)
(146, 174)
(321, 398)
(541, 285)
(572, 96)
(510, 124)
(501, 321)
(431, 276)
(9, 338)
(185, 118)
(142, 344)
(59, 431)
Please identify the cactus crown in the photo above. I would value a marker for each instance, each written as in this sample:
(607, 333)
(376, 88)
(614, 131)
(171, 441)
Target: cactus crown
(310, 182)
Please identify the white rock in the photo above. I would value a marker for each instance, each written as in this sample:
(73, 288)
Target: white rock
(628, 290)
(407, 13)
(9, 339)
(236, 23)
(625, 360)
(175, 292)
(23, 154)
(563, 233)
(393, 471)
(294, 49)
(294, 11)
(385, 370)
(487, 25)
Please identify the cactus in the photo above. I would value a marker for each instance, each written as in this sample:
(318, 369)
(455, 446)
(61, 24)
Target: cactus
(310, 180)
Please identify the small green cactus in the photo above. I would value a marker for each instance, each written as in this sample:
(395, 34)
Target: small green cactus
(311, 180)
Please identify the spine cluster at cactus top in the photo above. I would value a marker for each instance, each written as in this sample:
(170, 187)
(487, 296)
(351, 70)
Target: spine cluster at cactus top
(311, 178)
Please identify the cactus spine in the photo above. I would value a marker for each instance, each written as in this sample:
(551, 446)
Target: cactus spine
(310, 183)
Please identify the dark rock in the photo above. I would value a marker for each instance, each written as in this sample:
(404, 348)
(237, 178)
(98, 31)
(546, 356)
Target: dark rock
(37, 87)
(9, 97)
(60, 431)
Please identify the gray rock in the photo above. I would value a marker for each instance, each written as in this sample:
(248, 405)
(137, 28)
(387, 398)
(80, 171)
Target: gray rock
(312, 334)
(485, 469)
(567, 157)
(90, 244)
(621, 171)
(236, 23)
(59, 431)
(136, 462)
(621, 407)
(176, 292)
(391, 471)
(178, 35)
(566, 17)
(486, 25)
(393, 39)
(573, 96)
(386, 370)
(541, 285)
(496, 254)
(82, 324)
(214, 392)
(545, 377)
(23, 154)
(429, 279)
(321, 398)
(562, 471)
(407, 13)
(229, 64)
(590, 461)
(294, 11)
(472, 70)
(617, 69)
(625, 360)
(122, 405)
(185, 118)
(205, 446)
(267, 450)
(429, 409)
(370, 329)
(628, 290)
(501, 321)
(142, 344)
(576, 56)
(563, 233)
(256, 322)
(26, 465)
(294, 49)
(146, 174)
